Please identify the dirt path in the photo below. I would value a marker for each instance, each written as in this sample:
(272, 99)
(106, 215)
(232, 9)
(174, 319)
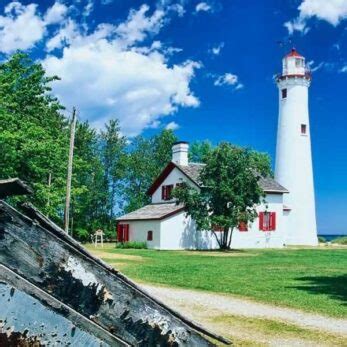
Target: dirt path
(203, 306)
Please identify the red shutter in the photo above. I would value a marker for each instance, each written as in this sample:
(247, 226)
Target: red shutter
(169, 191)
(120, 232)
(261, 220)
(163, 192)
(272, 221)
(126, 233)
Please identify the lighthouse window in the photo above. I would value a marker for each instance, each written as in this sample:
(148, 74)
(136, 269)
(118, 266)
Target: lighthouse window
(284, 93)
(303, 129)
(298, 62)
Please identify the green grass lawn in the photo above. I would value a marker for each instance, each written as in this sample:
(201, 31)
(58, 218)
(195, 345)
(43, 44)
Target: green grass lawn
(313, 280)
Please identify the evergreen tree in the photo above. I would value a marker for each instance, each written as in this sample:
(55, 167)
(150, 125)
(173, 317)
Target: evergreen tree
(114, 161)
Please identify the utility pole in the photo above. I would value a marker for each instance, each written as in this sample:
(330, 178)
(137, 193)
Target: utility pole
(49, 190)
(69, 171)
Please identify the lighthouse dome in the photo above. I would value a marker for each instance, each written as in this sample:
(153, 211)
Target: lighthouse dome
(293, 64)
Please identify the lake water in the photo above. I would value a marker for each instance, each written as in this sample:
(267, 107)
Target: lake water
(331, 237)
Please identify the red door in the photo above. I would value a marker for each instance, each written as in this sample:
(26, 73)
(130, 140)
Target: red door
(123, 232)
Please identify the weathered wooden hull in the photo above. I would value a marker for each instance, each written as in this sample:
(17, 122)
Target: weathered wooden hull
(43, 255)
(29, 316)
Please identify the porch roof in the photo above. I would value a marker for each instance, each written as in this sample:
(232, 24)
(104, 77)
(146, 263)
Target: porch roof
(152, 212)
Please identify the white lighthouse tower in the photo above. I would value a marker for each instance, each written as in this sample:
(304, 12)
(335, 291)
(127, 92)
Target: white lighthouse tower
(293, 152)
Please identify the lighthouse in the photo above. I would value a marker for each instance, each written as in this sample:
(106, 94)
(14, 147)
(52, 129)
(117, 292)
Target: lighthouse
(293, 153)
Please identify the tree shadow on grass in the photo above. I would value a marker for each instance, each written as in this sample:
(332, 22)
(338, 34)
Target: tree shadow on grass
(334, 286)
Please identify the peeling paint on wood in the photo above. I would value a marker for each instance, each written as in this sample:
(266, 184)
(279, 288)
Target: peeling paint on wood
(30, 317)
(36, 249)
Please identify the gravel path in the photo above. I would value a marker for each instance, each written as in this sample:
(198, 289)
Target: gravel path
(185, 300)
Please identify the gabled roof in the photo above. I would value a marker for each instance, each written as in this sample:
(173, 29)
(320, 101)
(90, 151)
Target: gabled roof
(192, 171)
(153, 212)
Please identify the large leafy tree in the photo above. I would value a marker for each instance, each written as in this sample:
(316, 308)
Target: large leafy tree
(229, 191)
(34, 143)
(34, 133)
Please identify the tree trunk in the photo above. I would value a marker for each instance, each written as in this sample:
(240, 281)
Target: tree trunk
(224, 244)
(230, 238)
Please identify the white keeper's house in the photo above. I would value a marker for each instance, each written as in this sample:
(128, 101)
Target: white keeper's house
(287, 217)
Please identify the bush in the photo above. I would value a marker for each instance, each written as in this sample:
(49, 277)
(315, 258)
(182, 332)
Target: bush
(322, 239)
(109, 235)
(82, 235)
(340, 240)
(132, 244)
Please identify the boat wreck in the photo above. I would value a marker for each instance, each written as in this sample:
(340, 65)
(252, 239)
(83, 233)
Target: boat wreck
(54, 292)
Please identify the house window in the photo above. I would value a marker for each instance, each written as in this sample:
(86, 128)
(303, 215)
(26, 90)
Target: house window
(149, 235)
(267, 221)
(284, 93)
(123, 232)
(303, 129)
(243, 226)
(166, 192)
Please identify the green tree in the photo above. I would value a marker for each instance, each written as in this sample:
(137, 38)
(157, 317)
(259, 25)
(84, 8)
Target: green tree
(34, 134)
(199, 151)
(147, 157)
(114, 161)
(90, 194)
(229, 192)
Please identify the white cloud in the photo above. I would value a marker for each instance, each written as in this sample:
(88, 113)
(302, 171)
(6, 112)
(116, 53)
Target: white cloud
(344, 69)
(172, 126)
(139, 25)
(22, 26)
(66, 34)
(297, 24)
(105, 74)
(56, 13)
(217, 49)
(88, 9)
(203, 7)
(331, 11)
(228, 79)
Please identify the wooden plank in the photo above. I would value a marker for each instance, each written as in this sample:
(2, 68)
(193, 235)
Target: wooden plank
(28, 315)
(42, 253)
(13, 186)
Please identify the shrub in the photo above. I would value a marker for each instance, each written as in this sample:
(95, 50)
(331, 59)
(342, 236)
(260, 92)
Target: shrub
(132, 244)
(109, 235)
(82, 235)
(322, 239)
(340, 240)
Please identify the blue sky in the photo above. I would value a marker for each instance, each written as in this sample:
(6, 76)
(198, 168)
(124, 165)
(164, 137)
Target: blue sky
(203, 68)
